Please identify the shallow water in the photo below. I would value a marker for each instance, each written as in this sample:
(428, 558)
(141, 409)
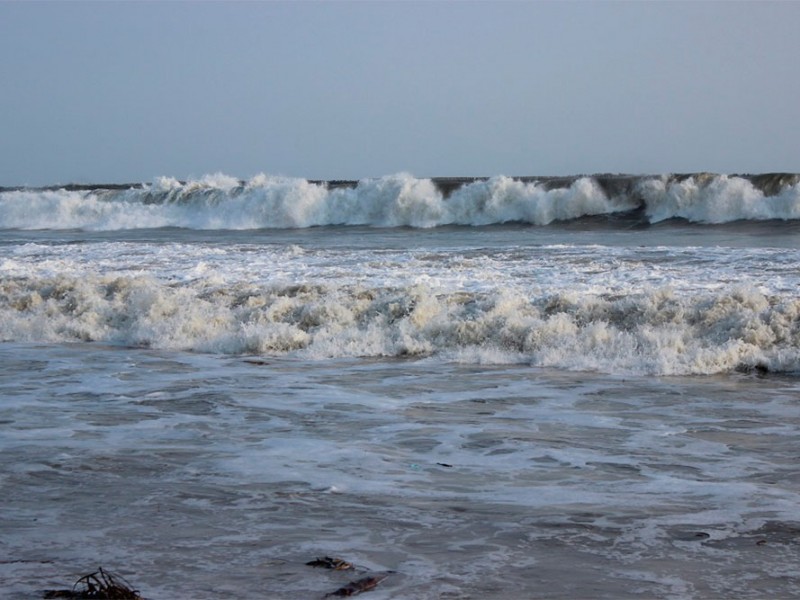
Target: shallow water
(204, 476)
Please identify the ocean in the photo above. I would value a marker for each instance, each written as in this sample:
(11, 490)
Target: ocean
(467, 388)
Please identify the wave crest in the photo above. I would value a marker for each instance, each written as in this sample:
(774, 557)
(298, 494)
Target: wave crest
(655, 332)
(221, 202)
(717, 199)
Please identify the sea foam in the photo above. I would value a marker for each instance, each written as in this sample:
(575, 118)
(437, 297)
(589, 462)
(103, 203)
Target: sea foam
(718, 199)
(221, 202)
(653, 332)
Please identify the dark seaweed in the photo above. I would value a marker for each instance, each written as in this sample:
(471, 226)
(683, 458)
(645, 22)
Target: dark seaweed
(100, 585)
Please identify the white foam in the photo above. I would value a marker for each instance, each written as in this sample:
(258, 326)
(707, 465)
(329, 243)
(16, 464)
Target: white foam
(704, 310)
(649, 332)
(721, 199)
(222, 202)
(502, 199)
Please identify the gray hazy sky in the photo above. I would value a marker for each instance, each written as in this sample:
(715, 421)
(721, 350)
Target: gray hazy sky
(124, 92)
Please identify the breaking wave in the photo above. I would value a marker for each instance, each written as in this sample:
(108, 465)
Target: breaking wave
(652, 332)
(222, 202)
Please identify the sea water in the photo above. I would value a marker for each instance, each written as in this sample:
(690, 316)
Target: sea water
(513, 390)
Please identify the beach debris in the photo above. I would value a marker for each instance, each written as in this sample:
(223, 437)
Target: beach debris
(100, 585)
(353, 588)
(326, 562)
(256, 361)
(357, 587)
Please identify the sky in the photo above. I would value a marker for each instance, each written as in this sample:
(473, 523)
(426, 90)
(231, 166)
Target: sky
(123, 92)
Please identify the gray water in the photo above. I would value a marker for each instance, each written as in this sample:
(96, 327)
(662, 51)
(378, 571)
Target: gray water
(202, 476)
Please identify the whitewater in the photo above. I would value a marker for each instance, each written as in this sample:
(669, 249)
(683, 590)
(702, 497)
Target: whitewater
(222, 202)
(481, 387)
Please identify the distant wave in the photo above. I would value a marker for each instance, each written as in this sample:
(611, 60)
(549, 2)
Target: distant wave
(655, 331)
(400, 200)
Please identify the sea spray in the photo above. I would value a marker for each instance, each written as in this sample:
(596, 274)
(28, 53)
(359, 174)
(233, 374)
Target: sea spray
(272, 202)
